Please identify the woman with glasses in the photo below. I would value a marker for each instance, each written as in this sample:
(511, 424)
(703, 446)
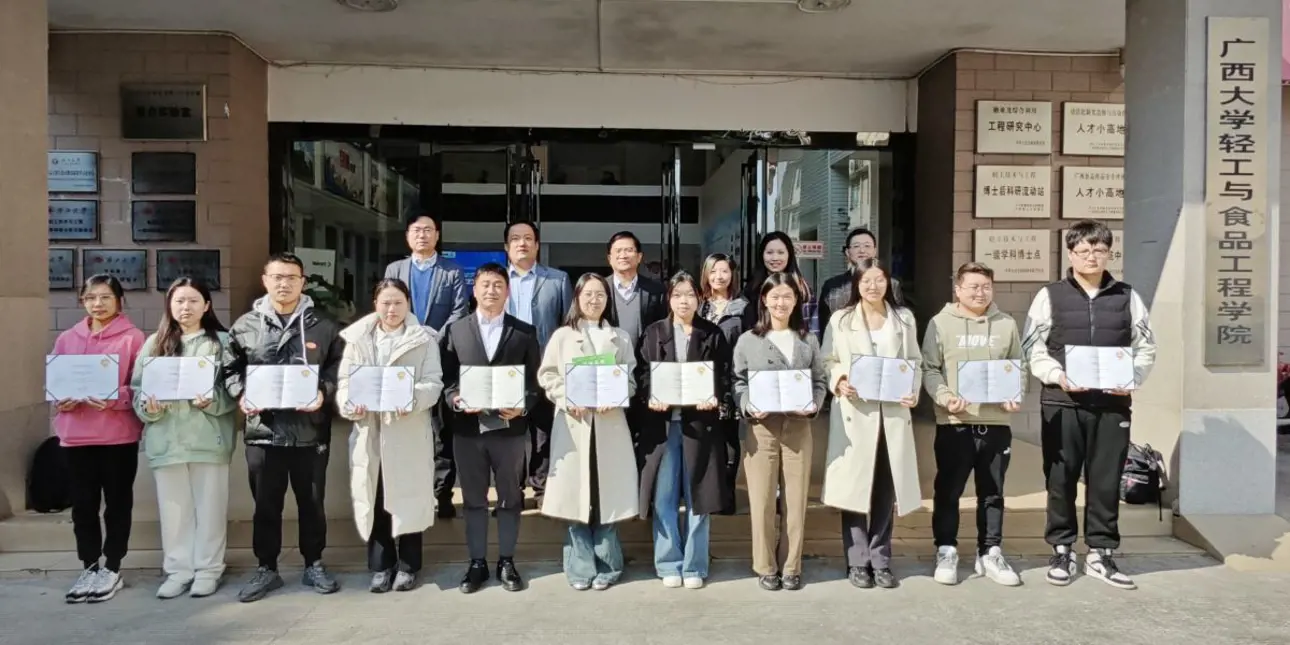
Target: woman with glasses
(835, 294)
(723, 306)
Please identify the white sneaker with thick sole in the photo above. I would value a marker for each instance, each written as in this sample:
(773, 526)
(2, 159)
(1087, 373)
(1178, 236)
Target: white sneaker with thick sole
(1100, 564)
(694, 582)
(672, 582)
(106, 583)
(83, 587)
(995, 567)
(172, 589)
(203, 587)
(947, 565)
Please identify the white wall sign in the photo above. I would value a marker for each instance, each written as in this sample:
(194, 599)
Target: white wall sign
(1014, 127)
(72, 172)
(1016, 255)
(1013, 191)
(1093, 129)
(318, 262)
(1092, 193)
(1114, 264)
(808, 250)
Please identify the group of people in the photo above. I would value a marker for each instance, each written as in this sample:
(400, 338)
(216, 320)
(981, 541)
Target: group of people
(596, 467)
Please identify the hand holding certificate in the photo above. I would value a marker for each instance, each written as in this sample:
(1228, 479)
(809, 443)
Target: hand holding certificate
(780, 392)
(373, 388)
(177, 378)
(281, 387)
(1099, 368)
(596, 387)
(675, 384)
(990, 381)
(889, 380)
(498, 387)
(82, 377)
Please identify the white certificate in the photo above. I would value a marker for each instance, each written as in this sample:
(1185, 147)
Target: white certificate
(1099, 368)
(280, 387)
(778, 391)
(596, 386)
(682, 384)
(381, 389)
(177, 378)
(992, 381)
(492, 387)
(877, 378)
(82, 376)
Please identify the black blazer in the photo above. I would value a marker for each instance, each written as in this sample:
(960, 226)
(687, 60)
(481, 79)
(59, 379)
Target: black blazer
(652, 300)
(462, 345)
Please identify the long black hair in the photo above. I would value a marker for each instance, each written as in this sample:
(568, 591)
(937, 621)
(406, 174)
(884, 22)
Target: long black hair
(760, 272)
(796, 321)
(170, 334)
(575, 314)
(679, 278)
(888, 296)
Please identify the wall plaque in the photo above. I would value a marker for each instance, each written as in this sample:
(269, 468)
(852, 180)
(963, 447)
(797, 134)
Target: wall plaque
(1016, 255)
(1092, 193)
(163, 112)
(1013, 191)
(1093, 129)
(164, 221)
(163, 173)
(72, 172)
(1014, 127)
(1114, 263)
(73, 220)
(130, 267)
(62, 269)
(173, 264)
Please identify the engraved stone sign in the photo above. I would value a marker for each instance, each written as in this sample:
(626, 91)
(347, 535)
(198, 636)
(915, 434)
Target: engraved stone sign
(1093, 129)
(1013, 191)
(163, 173)
(62, 269)
(1014, 127)
(1016, 255)
(130, 267)
(1092, 193)
(164, 221)
(163, 112)
(72, 172)
(73, 220)
(202, 265)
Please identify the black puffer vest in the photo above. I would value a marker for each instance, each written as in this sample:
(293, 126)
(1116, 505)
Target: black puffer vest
(1105, 320)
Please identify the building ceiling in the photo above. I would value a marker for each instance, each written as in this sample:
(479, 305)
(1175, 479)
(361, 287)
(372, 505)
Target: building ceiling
(870, 38)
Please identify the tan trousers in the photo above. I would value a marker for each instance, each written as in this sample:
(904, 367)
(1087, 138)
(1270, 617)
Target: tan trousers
(776, 443)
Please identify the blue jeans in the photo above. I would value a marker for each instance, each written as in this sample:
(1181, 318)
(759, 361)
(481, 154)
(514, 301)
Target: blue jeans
(592, 552)
(675, 553)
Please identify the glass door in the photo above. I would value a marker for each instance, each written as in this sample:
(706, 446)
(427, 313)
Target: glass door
(670, 234)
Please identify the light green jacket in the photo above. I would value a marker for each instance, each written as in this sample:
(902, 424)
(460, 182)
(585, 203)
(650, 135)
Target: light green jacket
(181, 433)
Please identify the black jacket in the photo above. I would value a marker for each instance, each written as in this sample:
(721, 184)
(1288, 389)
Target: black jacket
(462, 345)
(260, 338)
(1104, 320)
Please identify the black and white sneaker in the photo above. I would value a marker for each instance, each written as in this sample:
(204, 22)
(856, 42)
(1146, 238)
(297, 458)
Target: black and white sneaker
(106, 583)
(1061, 566)
(1100, 564)
(83, 587)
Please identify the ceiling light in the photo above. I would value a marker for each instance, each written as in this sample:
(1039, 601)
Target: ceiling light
(822, 6)
(374, 6)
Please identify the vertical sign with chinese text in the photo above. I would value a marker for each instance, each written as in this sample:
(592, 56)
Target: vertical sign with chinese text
(1237, 248)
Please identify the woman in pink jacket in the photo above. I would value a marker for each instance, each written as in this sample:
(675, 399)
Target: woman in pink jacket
(101, 440)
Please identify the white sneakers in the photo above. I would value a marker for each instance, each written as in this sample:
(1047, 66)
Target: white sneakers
(106, 583)
(203, 587)
(947, 565)
(1099, 564)
(995, 567)
(172, 589)
(84, 585)
(672, 582)
(694, 582)
(676, 582)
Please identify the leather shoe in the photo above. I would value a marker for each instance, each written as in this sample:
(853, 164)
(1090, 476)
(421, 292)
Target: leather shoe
(860, 577)
(885, 579)
(509, 577)
(769, 583)
(446, 510)
(475, 576)
(791, 583)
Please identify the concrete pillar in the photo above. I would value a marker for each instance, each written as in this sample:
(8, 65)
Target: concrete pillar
(1216, 424)
(24, 255)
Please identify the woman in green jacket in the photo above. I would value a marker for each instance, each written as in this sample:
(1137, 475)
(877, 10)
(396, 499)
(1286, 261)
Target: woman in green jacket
(189, 442)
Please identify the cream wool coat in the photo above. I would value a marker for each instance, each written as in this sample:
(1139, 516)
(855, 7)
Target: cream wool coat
(854, 424)
(568, 486)
(398, 449)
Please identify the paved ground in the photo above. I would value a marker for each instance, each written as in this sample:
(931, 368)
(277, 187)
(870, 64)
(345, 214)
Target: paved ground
(1182, 600)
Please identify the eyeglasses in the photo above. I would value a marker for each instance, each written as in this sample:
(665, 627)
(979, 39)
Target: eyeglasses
(623, 252)
(95, 299)
(276, 278)
(1100, 253)
(860, 247)
(593, 297)
(422, 230)
(978, 288)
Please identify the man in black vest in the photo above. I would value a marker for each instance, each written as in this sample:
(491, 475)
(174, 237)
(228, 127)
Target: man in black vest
(1084, 427)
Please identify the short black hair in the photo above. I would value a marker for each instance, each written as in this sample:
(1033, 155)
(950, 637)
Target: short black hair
(1091, 231)
(495, 269)
(506, 232)
(623, 235)
(286, 258)
(438, 222)
(856, 232)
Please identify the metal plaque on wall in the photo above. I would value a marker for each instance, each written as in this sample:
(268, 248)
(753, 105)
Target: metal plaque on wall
(73, 220)
(72, 172)
(62, 269)
(173, 264)
(163, 173)
(163, 221)
(130, 267)
(163, 112)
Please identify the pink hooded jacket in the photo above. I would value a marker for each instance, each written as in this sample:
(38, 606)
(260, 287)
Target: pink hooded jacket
(118, 424)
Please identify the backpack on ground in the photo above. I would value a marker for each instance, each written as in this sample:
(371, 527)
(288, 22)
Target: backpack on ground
(48, 490)
(1143, 478)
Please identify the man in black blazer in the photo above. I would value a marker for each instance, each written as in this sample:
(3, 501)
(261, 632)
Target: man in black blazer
(639, 300)
(490, 442)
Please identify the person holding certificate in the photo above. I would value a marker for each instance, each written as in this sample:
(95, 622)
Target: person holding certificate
(1071, 324)
(972, 368)
(593, 482)
(871, 352)
(724, 307)
(683, 378)
(101, 436)
(390, 379)
(286, 359)
(780, 383)
(188, 437)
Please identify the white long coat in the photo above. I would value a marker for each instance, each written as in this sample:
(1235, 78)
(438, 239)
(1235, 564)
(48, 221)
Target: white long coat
(854, 424)
(568, 485)
(400, 450)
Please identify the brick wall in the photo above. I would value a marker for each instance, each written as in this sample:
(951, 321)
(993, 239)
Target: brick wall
(85, 75)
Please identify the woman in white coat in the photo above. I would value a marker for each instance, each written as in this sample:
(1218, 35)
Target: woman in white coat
(593, 480)
(391, 454)
(871, 464)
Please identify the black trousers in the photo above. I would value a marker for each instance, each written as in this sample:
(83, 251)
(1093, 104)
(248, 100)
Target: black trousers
(734, 452)
(503, 459)
(961, 451)
(384, 551)
(1095, 443)
(271, 469)
(866, 537)
(102, 476)
(540, 421)
(445, 465)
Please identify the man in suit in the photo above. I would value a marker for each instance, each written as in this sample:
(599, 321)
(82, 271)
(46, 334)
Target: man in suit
(438, 289)
(638, 300)
(490, 443)
(539, 296)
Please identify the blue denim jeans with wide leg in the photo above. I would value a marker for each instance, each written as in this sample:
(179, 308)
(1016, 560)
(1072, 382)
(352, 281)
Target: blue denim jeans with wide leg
(592, 553)
(677, 553)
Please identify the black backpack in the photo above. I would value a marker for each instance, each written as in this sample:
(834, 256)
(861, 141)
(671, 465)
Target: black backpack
(1143, 478)
(48, 490)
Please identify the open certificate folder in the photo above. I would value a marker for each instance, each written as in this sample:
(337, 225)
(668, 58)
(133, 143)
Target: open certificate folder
(492, 387)
(877, 378)
(1099, 368)
(596, 386)
(381, 389)
(682, 384)
(280, 387)
(82, 376)
(992, 381)
(177, 378)
(780, 391)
